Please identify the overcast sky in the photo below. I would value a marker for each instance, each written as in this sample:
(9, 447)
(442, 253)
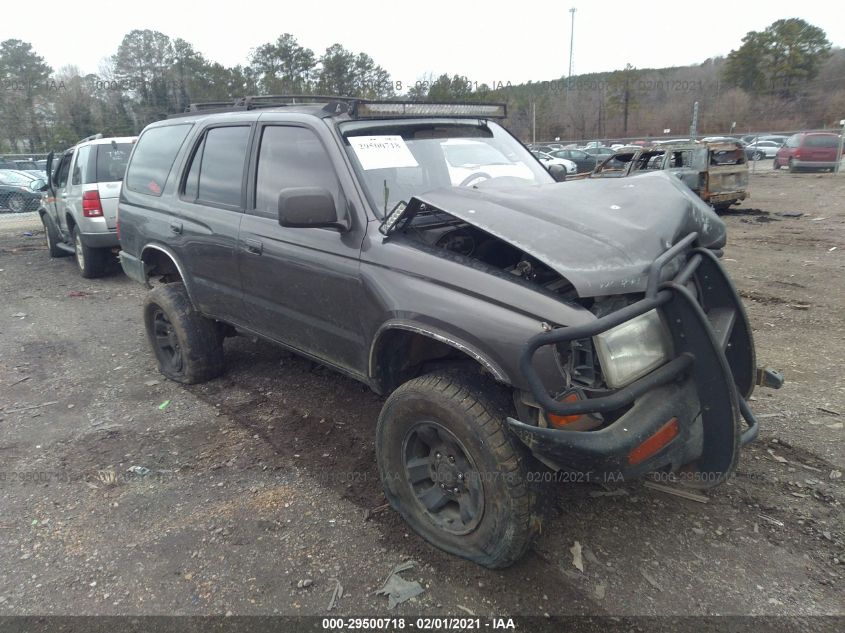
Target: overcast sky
(489, 43)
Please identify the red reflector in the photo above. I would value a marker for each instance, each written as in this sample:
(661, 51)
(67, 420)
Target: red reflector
(91, 206)
(652, 445)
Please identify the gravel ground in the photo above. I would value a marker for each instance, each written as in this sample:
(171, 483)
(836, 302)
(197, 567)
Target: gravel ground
(262, 493)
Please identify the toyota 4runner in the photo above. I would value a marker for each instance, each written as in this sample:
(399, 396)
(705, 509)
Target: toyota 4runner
(517, 326)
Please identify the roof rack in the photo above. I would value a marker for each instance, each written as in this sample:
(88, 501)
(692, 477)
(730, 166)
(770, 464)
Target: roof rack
(356, 107)
(93, 137)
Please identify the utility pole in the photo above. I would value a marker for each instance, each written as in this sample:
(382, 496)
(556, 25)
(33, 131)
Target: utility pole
(533, 121)
(571, 43)
(839, 149)
(693, 129)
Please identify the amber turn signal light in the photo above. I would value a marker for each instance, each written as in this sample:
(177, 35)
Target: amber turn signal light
(561, 421)
(653, 444)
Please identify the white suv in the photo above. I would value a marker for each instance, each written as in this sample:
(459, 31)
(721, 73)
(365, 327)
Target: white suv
(79, 210)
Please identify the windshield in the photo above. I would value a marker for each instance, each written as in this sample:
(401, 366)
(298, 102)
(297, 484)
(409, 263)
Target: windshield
(398, 160)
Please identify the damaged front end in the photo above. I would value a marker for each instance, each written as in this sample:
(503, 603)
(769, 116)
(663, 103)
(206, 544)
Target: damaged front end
(659, 378)
(684, 414)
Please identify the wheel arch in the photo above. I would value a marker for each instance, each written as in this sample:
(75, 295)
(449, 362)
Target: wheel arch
(159, 261)
(401, 349)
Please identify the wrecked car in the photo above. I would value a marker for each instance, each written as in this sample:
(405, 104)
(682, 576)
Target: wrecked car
(716, 171)
(521, 330)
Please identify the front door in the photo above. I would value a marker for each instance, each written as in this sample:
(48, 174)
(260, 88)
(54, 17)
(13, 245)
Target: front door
(301, 285)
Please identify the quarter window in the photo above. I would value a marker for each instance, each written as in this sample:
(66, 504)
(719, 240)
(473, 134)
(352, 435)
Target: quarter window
(153, 158)
(80, 168)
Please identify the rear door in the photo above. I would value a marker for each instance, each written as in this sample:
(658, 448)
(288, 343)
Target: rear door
(302, 285)
(204, 231)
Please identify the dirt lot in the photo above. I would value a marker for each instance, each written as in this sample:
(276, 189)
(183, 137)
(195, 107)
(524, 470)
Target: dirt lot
(259, 481)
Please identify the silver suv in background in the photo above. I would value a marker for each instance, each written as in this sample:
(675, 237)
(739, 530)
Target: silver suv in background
(79, 210)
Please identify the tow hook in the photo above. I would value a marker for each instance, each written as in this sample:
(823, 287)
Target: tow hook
(768, 377)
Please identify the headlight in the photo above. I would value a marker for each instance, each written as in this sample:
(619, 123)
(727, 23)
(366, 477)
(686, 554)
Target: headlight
(631, 350)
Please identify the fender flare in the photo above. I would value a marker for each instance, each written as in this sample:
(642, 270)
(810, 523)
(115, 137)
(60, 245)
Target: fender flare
(170, 255)
(438, 335)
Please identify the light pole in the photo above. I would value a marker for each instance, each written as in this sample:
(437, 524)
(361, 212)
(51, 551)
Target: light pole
(571, 42)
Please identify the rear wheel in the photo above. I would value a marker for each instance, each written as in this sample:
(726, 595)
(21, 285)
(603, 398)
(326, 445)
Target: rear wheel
(775, 164)
(51, 236)
(188, 346)
(92, 262)
(759, 156)
(453, 471)
(792, 168)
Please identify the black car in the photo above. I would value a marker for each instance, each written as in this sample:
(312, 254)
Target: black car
(584, 161)
(514, 324)
(17, 194)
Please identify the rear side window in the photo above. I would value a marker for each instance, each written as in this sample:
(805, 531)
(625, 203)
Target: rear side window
(81, 171)
(111, 161)
(291, 157)
(793, 141)
(821, 140)
(153, 158)
(216, 172)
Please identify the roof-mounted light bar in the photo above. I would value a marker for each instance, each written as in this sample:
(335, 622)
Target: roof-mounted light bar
(405, 109)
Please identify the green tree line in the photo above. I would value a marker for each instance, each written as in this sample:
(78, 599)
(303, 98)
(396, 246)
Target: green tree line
(786, 76)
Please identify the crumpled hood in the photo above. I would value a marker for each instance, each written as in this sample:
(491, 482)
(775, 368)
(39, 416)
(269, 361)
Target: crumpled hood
(601, 234)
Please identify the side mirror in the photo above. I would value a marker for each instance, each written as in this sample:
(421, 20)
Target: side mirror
(310, 207)
(558, 172)
(39, 184)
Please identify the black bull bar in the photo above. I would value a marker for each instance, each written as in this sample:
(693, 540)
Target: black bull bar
(713, 347)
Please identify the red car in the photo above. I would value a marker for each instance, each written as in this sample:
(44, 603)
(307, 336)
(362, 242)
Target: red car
(808, 150)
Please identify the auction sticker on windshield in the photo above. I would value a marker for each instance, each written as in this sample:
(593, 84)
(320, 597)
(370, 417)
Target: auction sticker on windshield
(382, 152)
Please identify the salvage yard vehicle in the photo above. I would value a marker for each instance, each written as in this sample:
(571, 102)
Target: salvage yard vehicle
(717, 171)
(18, 194)
(808, 150)
(519, 328)
(80, 211)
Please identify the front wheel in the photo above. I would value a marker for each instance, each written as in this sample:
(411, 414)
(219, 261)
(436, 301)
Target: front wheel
(759, 156)
(188, 346)
(453, 471)
(51, 235)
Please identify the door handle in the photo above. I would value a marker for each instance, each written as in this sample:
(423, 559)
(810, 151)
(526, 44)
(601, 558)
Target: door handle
(176, 227)
(253, 246)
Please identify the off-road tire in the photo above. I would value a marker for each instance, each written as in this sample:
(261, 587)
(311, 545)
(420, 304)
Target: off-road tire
(473, 410)
(196, 338)
(92, 262)
(51, 236)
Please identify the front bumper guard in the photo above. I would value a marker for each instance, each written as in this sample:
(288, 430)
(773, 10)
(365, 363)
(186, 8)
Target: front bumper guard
(714, 361)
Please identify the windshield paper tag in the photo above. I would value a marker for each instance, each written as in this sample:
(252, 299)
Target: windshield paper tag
(382, 152)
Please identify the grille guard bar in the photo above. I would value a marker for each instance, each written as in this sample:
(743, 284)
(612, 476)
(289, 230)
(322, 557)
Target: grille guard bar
(654, 298)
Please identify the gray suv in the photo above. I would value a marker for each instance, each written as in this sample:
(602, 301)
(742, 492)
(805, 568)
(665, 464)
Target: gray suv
(79, 212)
(522, 330)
